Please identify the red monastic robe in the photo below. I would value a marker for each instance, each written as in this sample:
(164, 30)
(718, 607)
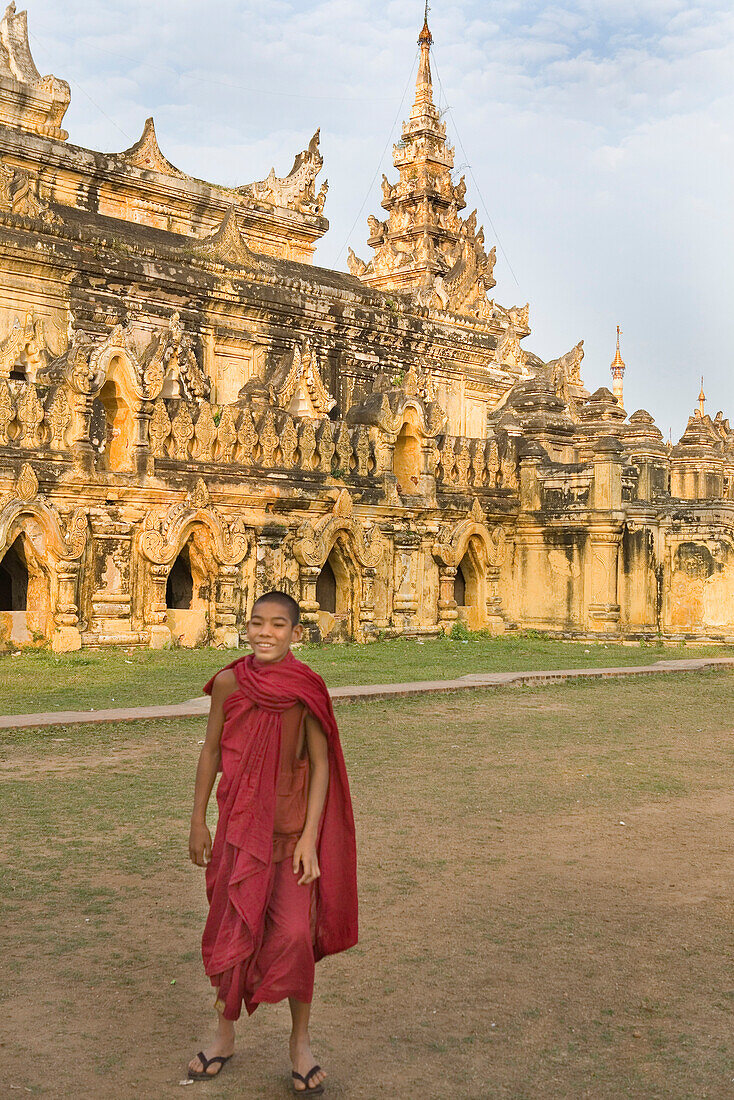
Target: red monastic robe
(238, 876)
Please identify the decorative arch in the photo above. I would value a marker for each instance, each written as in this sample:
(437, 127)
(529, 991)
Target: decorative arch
(215, 551)
(51, 553)
(339, 537)
(479, 552)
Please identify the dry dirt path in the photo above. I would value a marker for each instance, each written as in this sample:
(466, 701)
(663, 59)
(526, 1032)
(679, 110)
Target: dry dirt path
(192, 708)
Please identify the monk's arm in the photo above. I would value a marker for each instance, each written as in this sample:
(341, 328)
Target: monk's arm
(200, 841)
(318, 754)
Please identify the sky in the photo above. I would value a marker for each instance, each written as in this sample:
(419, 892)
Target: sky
(597, 137)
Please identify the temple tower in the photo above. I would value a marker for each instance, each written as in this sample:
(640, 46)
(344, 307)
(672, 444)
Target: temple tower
(424, 245)
(618, 368)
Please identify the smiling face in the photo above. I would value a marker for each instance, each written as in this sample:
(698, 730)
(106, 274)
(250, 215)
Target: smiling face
(271, 631)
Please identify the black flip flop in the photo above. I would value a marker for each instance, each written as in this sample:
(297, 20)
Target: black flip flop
(315, 1090)
(206, 1062)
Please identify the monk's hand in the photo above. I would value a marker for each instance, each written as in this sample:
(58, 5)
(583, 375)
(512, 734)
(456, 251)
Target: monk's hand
(200, 844)
(305, 854)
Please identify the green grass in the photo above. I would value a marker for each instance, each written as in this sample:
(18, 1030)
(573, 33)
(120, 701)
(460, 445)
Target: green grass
(497, 887)
(36, 680)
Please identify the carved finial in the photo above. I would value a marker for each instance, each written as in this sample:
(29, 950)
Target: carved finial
(425, 35)
(477, 512)
(617, 369)
(199, 496)
(425, 41)
(26, 487)
(701, 399)
(343, 504)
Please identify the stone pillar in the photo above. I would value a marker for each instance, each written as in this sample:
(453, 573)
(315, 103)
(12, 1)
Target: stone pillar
(309, 574)
(447, 611)
(156, 613)
(405, 599)
(603, 609)
(367, 603)
(605, 536)
(67, 637)
(225, 629)
(495, 618)
(532, 582)
(79, 432)
(606, 491)
(142, 459)
(529, 484)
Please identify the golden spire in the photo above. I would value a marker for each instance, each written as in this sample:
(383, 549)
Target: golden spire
(424, 84)
(701, 399)
(618, 368)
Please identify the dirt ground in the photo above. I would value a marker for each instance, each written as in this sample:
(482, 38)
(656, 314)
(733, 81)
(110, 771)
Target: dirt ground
(546, 906)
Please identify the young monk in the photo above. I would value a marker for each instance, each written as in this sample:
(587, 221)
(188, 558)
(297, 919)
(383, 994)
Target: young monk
(281, 876)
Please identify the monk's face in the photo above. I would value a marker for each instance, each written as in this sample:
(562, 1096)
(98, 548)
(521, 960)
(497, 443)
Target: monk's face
(270, 631)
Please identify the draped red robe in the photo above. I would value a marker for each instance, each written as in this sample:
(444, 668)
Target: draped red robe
(238, 873)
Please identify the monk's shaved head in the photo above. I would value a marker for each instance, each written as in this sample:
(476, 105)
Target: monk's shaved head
(287, 602)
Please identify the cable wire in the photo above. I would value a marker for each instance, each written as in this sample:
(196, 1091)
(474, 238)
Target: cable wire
(382, 157)
(449, 111)
(76, 84)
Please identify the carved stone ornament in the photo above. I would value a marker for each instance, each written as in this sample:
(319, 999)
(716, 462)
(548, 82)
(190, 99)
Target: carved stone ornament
(26, 485)
(21, 195)
(167, 356)
(199, 497)
(450, 547)
(226, 245)
(477, 512)
(64, 542)
(296, 191)
(314, 542)
(297, 383)
(386, 410)
(25, 347)
(164, 533)
(509, 352)
(30, 101)
(170, 357)
(567, 368)
(146, 154)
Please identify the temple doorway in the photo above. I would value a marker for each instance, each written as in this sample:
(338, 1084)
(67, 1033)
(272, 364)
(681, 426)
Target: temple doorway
(335, 595)
(118, 439)
(24, 594)
(189, 591)
(180, 583)
(460, 588)
(326, 589)
(470, 586)
(407, 459)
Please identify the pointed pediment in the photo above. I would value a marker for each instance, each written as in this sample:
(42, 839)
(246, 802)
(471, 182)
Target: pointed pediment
(146, 154)
(227, 245)
(299, 384)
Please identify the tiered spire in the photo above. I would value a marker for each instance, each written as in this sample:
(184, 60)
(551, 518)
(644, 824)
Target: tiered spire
(618, 368)
(424, 245)
(701, 399)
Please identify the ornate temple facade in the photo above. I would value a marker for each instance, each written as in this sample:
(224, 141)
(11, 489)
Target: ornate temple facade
(192, 413)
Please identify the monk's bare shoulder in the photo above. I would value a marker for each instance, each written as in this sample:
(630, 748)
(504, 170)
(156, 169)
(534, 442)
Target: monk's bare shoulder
(225, 683)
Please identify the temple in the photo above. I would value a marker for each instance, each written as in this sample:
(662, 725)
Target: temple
(192, 413)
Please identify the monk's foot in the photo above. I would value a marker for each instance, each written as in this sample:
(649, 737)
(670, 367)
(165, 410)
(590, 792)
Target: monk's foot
(303, 1062)
(221, 1046)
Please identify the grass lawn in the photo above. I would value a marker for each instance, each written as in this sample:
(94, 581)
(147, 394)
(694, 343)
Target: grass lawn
(36, 680)
(546, 881)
